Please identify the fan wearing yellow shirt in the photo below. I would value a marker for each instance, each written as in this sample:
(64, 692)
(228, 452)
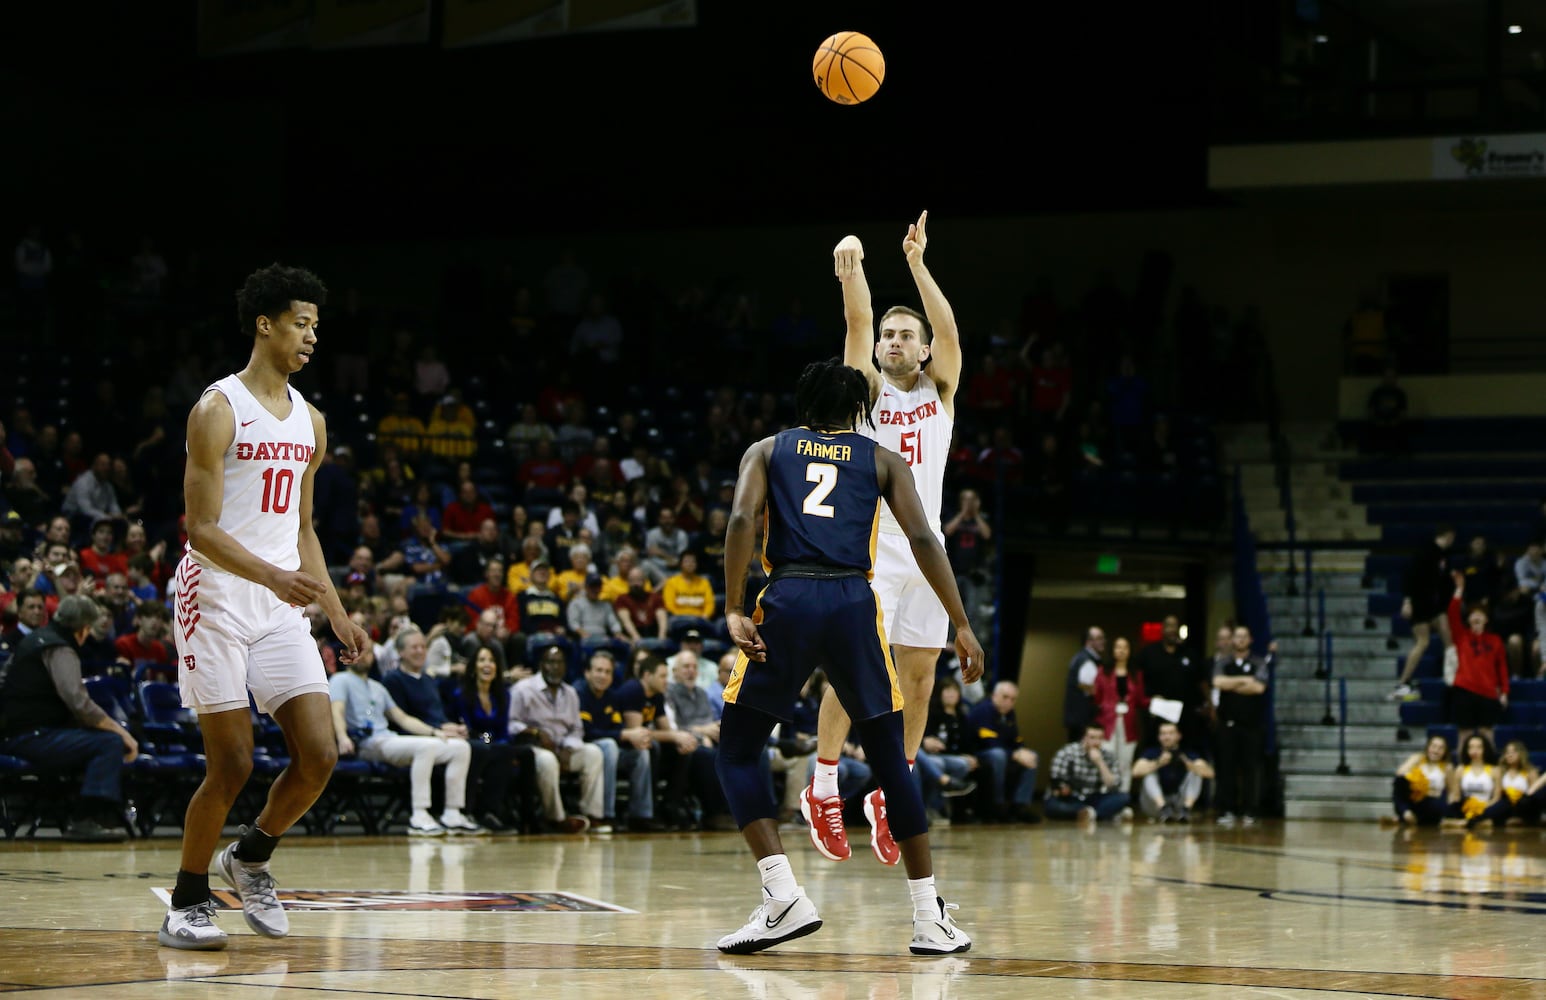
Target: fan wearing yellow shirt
(572, 580)
(687, 593)
(616, 585)
(519, 576)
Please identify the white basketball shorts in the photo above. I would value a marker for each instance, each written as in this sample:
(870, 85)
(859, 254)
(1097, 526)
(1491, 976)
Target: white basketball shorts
(233, 635)
(913, 615)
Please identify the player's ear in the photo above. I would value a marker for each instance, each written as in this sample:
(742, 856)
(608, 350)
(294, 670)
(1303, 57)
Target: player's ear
(264, 326)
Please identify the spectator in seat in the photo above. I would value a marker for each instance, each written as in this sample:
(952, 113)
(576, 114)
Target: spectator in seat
(145, 646)
(469, 563)
(542, 611)
(1530, 578)
(571, 580)
(362, 710)
(544, 470)
(943, 767)
(1480, 692)
(687, 594)
(444, 660)
(691, 711)
(48, 718)
(564, 535)
(480, 704)
(1120, 705)
(120, 604)
(624, 751)
(422, 555)
(1422, 784)
(492, 593)
(91, 497)
(642, 700)
(1424, 586)
(462, 520)
(545, 712)
(1079, 686)
(524, 434)
(102, 557)
(519, 576)
(993, 737)
(616, 585)
(1483, 574)
(585, 512)
(31, 615)
(966, 540)
(1171, 777)
(452, 427)
(1241, 679)
(28, 499)
(336, 503)
(643, 607)
(401, 429)
(1084, 782)
(665, 543)
(492, 632)
(573, 438)
(593, 620)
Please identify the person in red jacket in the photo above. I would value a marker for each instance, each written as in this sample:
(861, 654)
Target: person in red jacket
(1120, 706)
(1480, 691)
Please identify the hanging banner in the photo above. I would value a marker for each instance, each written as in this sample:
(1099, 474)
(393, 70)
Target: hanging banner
(340, 24)
(610, 15)
(229, 27)
(1471, 157)
(482, 22)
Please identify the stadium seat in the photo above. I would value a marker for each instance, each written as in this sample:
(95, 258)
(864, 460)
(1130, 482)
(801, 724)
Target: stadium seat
(1421, 713)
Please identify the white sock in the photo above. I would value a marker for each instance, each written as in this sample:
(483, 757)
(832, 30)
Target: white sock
(925, 898)
(825, 784)
(778, 877)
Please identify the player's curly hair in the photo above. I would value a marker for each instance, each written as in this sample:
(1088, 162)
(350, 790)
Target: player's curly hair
(831, 395)
(269, 291)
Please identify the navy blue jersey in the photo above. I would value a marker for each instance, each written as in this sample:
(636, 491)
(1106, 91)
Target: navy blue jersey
(823, 500)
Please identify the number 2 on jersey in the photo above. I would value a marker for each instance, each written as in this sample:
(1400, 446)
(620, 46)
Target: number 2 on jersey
(278, 485)
(825, 478)
(912, 447)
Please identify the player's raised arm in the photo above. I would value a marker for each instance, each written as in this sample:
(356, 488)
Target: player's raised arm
(751, 495)
(314, 563)
(896, 485)
(858, 311)
(945, 348)
(211, 429)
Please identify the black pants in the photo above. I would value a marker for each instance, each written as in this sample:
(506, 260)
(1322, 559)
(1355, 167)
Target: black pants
(493, 767)
(1239, 767)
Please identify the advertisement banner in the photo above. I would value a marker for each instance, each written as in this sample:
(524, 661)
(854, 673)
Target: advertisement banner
(481, 22)
(341, 24)
(610, 15)
(1470, 157)
(227, 27)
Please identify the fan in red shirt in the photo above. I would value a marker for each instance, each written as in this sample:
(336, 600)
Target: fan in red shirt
(544, 470)
(101, 557)
(492, 593)
(143, 647)
(1480, 692)
(462, 516)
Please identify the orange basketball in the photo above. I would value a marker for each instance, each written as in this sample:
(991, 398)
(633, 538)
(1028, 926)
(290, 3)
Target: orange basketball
(849, 68)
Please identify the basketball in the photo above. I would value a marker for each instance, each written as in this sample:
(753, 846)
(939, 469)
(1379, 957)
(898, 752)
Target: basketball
(849, 68)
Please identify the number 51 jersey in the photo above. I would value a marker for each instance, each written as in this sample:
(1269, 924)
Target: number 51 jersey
(823, 501)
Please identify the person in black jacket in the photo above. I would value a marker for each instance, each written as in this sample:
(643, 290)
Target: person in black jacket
(943, 767)
(1425, 596)
(1078, 708)
(48, 719)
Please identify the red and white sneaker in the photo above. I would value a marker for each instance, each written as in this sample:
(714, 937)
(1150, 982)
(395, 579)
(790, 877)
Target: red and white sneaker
(824, 819)
(881, 841)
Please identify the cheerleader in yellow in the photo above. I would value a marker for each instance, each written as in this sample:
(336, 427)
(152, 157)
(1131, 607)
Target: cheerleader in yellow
(1474, 785)
(1422, 784)
(1516, 775)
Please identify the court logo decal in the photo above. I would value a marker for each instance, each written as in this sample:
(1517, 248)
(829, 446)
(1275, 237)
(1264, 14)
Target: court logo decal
(403, 901)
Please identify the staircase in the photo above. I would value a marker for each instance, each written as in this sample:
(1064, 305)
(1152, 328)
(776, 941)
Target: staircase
(1339, 535)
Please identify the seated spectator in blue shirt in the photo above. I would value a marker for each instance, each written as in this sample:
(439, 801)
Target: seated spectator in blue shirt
(1171, 778)
(420, 554)
(993, 737)
(1084, 780)
(481, 704)
(642, 701)
(629, 750)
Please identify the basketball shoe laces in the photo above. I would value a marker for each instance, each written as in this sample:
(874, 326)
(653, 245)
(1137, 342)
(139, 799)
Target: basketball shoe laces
(261, 885)
(832, 819)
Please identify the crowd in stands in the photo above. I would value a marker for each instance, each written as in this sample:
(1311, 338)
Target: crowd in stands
(566, 492)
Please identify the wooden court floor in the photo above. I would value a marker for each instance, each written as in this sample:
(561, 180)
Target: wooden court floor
(1298, 909)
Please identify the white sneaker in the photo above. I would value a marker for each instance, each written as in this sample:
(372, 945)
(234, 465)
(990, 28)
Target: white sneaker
(774, 922)
(456, 823)
(260, 900)
(192, 928)
(1126, 815)
(422, 824)
(937, 933)
(1226, 819)
(1401, 691)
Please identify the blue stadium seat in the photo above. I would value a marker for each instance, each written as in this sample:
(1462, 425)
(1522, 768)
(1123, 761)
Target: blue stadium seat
(1421, 713)
(1526, 690)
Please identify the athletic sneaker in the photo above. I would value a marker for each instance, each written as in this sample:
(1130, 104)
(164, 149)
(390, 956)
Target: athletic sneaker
(937, 933)
(1226, 819)
(192, 928)
(774, 922)
(1401, 692)
(881, 841)
(422, 824)
(824, 819)
(456, 823)
(260, 901)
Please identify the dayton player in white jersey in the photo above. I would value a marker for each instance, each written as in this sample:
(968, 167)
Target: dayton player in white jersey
(253, 565)
(913, 409)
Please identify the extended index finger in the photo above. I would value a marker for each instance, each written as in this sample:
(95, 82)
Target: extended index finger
(923, 219)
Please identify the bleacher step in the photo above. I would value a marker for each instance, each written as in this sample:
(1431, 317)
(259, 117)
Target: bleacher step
(1358, 712)
(1338, 808)
(1361, 737)
(1332, 786)
(1371, 760)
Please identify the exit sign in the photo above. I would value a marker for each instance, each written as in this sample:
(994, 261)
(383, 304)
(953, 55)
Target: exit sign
(1109, 565)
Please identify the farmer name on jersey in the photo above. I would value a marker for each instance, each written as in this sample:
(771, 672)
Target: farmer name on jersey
(921, 412)
(274, 451)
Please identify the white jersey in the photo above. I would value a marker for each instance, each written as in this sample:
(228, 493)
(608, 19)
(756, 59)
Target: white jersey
(261, 497)
(914, 425)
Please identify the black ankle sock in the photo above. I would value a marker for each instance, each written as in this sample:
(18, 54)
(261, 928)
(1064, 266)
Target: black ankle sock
(191, 888)
(255, 846)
